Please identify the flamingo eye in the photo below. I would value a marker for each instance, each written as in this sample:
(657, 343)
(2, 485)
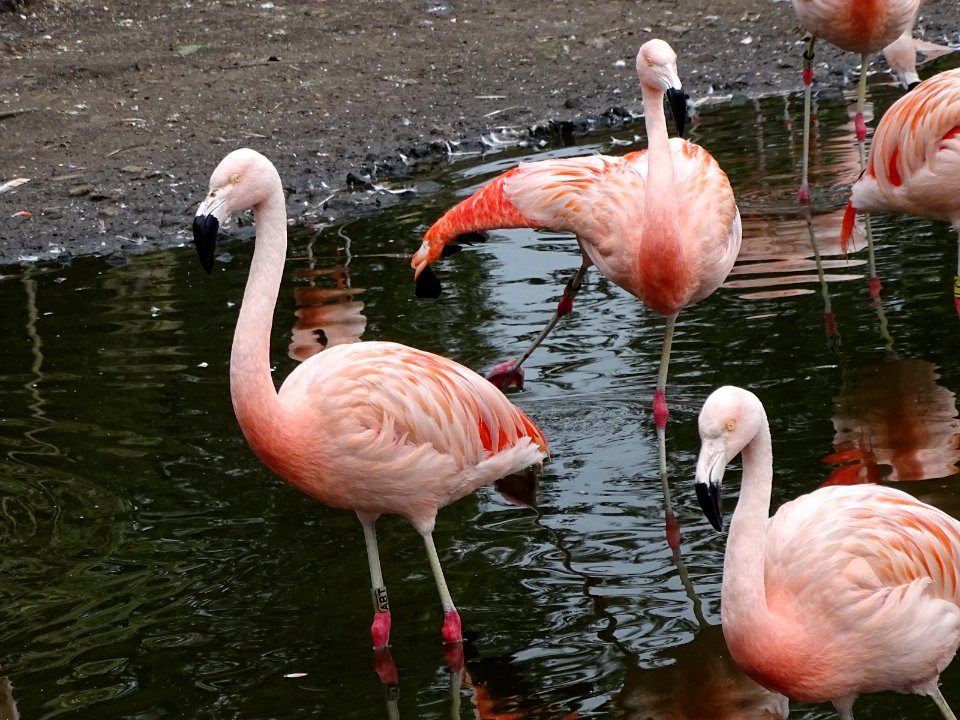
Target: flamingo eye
(235, 178)
(731, 425)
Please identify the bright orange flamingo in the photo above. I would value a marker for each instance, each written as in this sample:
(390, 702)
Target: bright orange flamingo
(860, 26)
(844, 591)
(914, 164)
(662, 223)
(373, 427)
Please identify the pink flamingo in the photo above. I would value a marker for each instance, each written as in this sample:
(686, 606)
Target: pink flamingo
(860, 26)
(662, 223)
(373, 427)
(844, 591)
(914, 164)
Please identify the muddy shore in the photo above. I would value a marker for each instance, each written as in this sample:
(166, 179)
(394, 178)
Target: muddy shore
(115, 113)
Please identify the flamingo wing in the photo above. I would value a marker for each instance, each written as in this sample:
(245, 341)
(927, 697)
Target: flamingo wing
(872, 571)
(914, 163)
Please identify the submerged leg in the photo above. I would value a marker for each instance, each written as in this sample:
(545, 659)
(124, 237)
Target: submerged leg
(660, 415)
(510, 372)
(380, 629)
(451, 618)
(803, 195)
(956, 278)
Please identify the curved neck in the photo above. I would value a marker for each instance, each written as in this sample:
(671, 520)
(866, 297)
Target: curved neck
(251, 383)
(744, 592)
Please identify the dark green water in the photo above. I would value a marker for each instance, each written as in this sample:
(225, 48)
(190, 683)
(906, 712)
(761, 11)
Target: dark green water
(151, 568)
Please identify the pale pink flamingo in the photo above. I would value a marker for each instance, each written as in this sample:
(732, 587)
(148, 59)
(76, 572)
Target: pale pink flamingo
(661, 223)
(373, 427)
(914, 163)
(860, 26)
(844, 591)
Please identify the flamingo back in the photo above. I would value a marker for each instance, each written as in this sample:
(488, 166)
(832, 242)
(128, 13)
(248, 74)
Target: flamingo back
(411, 431)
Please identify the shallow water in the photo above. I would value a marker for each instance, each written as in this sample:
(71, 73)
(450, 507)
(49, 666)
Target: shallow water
(152, 568)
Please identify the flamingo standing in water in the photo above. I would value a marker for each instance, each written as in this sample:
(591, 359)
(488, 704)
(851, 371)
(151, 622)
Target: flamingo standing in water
(662, 223)
(373, 427)
(860, 26)
(914, 164)
(847, 590)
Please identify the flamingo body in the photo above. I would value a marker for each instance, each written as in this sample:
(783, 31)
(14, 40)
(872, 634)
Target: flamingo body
(844, 591)
(667, 257)
(860, 26)
(373, 427)
(914, 162)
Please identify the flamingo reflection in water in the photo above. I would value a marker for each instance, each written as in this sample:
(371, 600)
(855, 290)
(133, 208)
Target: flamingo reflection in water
(702, 681)
(898, 424)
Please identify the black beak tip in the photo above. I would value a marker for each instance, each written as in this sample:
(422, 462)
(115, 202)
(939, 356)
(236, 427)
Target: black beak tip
(708, 495)
(428, 285)
(678, 108)
(205, 229)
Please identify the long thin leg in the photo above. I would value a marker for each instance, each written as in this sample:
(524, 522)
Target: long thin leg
(380, 629)
(660, 415)
(860, 128)
(451, 618)
(803, 195)
(942, 704)
(956, 278)
(510, 373)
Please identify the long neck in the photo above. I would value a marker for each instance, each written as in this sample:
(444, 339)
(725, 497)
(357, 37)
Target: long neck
(661, 248)
(743, 592)
(251, 384)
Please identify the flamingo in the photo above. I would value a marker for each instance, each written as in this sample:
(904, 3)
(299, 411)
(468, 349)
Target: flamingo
(662, 223)
(914, 164)
(860, 26)
(373, 427)
(901, 56)
(844, 591)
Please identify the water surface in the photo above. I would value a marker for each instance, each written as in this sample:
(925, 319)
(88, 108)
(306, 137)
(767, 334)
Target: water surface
(152, 568)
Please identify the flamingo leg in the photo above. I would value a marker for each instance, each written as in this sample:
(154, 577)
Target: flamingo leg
(510, 373)
(380, 629)
(660, 415)
(956, 278)
(803, 195)
(451, 618)
(860, 128)
(942, 704)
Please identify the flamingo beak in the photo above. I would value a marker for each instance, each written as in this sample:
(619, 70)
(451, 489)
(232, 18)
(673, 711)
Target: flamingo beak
(710, 467)
(205, 229)
(678, 108)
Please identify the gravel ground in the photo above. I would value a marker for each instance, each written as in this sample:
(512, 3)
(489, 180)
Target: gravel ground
(115, 113)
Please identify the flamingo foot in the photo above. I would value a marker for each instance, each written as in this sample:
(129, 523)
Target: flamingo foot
(385, 668)
(380, 630)
(673, 533)
(860, 127)
(505, 374)
(660, 411)
(803, 195)
(451, 627)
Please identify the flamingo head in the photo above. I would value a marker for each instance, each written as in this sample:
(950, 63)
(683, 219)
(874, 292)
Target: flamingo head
(657, 70)
(242, 180)
(729, 420)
